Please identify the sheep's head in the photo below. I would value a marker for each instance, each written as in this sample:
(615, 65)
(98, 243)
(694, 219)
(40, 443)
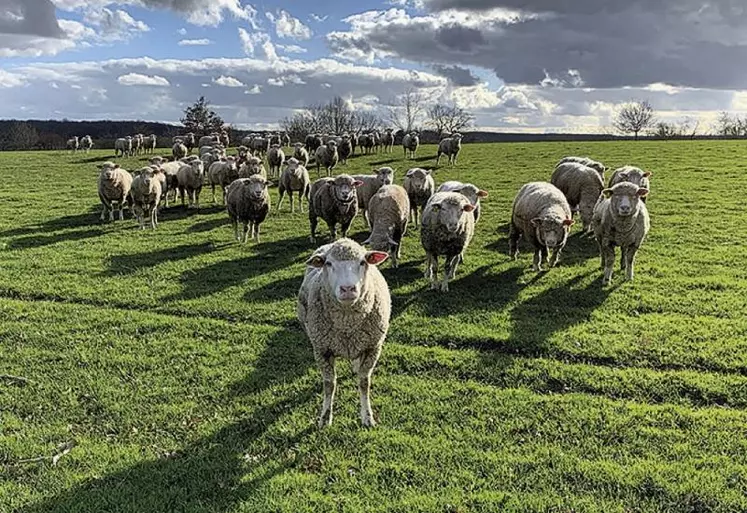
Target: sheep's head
(385, 175)
(110, 170)
(344, 188)
(418, 177)
(552, 231)
(292, 163)
(457, 137)
(447, 209)
(147, 175)
(257, 186)
(344, 266)
(625, 198)
(473, 193)
(332, 145)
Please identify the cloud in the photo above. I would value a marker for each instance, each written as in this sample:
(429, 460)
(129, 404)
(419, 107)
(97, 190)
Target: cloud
(456, 74)
(319, 19)
(76, 35)
(114, 25)
(182, 31)
(257, 44)
(8, 80)
(136, 79)
(30, 18)
(291, 48)
(287, 26)
(254, 90)
(195, 42)
(226, 81)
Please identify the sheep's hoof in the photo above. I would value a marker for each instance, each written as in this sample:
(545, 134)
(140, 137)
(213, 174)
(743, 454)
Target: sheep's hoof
(445, 287)
(606, 281)
(435, 286)
(325, 419)
(536, 268)
(368, 421)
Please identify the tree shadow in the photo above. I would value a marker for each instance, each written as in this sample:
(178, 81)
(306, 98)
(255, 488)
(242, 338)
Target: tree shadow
(90, 218)
(38, 241)
(210, 474)
(132, 263)
(279, 290)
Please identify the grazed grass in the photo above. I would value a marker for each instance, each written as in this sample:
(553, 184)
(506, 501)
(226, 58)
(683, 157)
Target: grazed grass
(173, 357)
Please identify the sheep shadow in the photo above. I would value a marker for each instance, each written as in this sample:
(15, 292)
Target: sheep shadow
(91, 160)
(207, 226)
(422, 159)
(382, 162)
(130, 264)
(86, 219)
(578, 249)
(210, 474)
(279, 290)
(38, 241)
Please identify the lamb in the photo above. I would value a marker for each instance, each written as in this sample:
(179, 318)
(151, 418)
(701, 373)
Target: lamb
(160, 175)
(295, 177)
(446, 228)
(275, 159)
(191, 176)
(620, 219)
(598, 166)
(73, 144)
(275, 139)
(300, 154)
(151, 143)
(122, 146)
(224, 138)
(344, 307)
(582, 186)
(189, 141)
(387, 140)
(470, 191)
(252, 166)
(248, 202)
(114, 186)
(371, 184)
(543, 216)
(146, 194)
(633, 175)
(410, 143)
(345, 149)
(179, 151)
(222, 172)
(450, 146)
(327, 156)
(420, 187)
(86, 143)
(334, 200)
(389, 211)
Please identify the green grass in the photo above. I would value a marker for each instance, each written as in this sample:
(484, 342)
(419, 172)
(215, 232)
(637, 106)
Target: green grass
(174, 360)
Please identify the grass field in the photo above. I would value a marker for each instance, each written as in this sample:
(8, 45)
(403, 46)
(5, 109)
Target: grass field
(174, 361)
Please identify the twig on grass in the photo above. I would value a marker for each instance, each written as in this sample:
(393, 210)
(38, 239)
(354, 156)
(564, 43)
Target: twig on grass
(61, 451)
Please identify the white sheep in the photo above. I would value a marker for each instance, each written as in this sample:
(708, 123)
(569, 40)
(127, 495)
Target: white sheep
(252, 166)
(420, 186)
(371, 184)
(114, 187)
(179, 151)
(410, 143)
(301, 154)
(327, 156)
(86, 143)
(73, 144)
(248, 203)
(146, 194)
(344, 307)
(582, 186)
(598, 166)
(222, 172)
(275, 159)
(450, 146)
(191, 176)
(634, 175)
(470, 191)
(123, 147)
(295, 177)
(334, 200)
(389, 212)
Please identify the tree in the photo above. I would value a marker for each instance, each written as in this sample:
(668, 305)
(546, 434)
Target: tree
(406, 111)
(634, 117)
(449, 118)
(201, 119)
(334, 117)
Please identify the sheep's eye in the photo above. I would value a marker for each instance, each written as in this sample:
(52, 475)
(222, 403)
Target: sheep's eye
(363, 262)
(328, 264)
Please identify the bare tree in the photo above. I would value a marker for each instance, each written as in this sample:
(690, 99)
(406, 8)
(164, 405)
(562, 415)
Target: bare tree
(449, 118)
(406, 111)
(634, 117)
(335, 117)
(365, 122)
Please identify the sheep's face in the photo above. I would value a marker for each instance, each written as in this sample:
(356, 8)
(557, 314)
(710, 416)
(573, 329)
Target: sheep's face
(332, 145)
(344, 188)
(257, 187)
(625, 198)
(344, 277)
(110, 173)
(472, 193)
(418, 178)
(147, 176)
(551, 231)
(198, 168)
(385, 175)
(449, 213)
(636, 176)
(292, 163)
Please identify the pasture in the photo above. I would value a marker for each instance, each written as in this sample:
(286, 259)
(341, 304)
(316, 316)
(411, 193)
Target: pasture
(174, 361)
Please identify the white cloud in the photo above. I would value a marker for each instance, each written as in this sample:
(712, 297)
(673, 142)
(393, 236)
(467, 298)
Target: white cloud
(291, 48)
(289, 27)
(136, 79)
(257, 44)
(8, 80)
(114, 25)
(182, 31)
(278, 82)
(254, 90)
(227, 81)
(195, 42)
(319, 19)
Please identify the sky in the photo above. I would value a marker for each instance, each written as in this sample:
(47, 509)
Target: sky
(517, 65)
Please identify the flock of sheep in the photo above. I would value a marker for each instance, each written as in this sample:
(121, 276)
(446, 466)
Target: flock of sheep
(75, 144)
(344, 303)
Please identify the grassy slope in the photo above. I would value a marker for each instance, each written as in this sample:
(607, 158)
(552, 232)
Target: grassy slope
(174, 360)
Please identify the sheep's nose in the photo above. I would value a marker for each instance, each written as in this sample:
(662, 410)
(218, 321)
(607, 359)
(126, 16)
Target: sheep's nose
(347, 288)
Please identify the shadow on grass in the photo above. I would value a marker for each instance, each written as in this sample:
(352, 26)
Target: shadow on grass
(224, 469)
(130, 264)
(278, 290)
(91, 160)
(382, 162)
(38, 241)
(209, 225)
(90, 218)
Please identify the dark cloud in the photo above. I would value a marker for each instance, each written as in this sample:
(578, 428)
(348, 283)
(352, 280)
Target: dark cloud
(458, 76)
(459, 39)
(29, 18)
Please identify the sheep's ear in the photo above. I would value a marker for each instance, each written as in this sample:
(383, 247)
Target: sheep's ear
(357, 183)
(536, 222)
(607, 193)
(116, 166)
(410, 172)
(469, 207)
(366, 242)
(642, 192)
(568, 222)
(482, 194)
(376, 257)
(647, 174)
(427, 171)
(316, 261)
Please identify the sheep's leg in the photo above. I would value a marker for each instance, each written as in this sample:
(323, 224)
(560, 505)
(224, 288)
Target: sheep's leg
(544, 254)
(245, 232)
(313, 221)
(102, 217)
(281, 193)
(608, 259)
(366, 218)
(212, 186)
(197, 197)
(623, 257)
(329, 379)
(537, 261)
(235, 223)
(182, 194)
(154, 217)
(450, 267)
(513, 241)
(630, 260)
(555, 256)
(256, 233)
(332, 230)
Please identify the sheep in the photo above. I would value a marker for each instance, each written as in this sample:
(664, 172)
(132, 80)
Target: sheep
(327, 156)
(470, 191)
(634, 175)
(450, 146)
(252, 166)
(151, 143)
(300, 154)
(247, 141)
(344, 149)
(114, 186)
(353, 142)
(122, 147)
(146, 194)
(222, 172)
(189, 141)
(446, 228)
(334, 200)
(420, 187)
(275, 159)
(179, 151)
(387, 140)
(160, 175)
(582, 186)
(207, 140)
(410, 143)
(371, 184)
(286, 140)
(375, 141)
(191, 176)
(295, 177)
(260, 145)
(344, 307)
(248, 202)
(389, 212)
(224, 138)
(598, 166)
(170, 170)
(73, 144)
(620, 219)
(86, 143)
(366, 142)
(543, 216)
(275, 139)
(312, 143)
(137, 144)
